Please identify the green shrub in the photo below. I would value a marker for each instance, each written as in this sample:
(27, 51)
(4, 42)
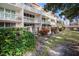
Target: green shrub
(16, 41)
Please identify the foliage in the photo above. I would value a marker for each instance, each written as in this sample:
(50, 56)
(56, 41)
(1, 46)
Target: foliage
(15, 41)
(70, 10)
(53, 6)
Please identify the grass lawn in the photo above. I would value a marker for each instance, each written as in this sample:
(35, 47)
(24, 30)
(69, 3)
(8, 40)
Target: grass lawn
(65, 37)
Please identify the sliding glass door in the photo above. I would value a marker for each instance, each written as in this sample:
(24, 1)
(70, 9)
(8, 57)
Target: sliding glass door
(7, 14)
(1, 13)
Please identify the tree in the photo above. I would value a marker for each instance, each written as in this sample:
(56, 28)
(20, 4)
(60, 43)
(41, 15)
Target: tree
(70, 10)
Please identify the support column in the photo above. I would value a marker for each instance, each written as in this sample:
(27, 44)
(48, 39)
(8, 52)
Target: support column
(4, 13)
(4, 25)
(40, 18)
(22, 16)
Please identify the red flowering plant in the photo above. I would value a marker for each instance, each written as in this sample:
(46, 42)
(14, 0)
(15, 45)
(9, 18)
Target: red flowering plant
(44, 31)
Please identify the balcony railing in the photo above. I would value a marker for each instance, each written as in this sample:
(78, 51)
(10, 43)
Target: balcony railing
(28, 19)
(29, 7)
(31, 20)
(46, 22)
(16, 18)
(13, 3)
(17, 4)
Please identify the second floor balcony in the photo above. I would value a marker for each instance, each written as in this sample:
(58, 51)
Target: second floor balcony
(46, 22)
(17, 4)
(7, 17)
(31, 20)
(28, 19)
(29, 7)
(7, 14)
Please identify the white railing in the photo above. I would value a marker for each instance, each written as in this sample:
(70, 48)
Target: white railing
(28, 7)
(45, 22)
(37, 21)
(13, 3)
(28, 19)
(17, 4)
(17, 17)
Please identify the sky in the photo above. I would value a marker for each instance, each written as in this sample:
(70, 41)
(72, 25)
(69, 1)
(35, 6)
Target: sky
(42, 4)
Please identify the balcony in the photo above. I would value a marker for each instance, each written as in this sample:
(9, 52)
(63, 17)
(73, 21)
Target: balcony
(37, 21)
(31, 20)
(17, 4)
(13, 3)
(28, 19)
(29, 7)
(17, 18)
(46, 22)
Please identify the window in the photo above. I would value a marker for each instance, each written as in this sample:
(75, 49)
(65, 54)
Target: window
(53, 20)
(29, 15)
(27, 4)
(9, 24)
(25, 14)
(7, 13)
(32, 16)
(1, 12)
(43, 18)
(12, 14)
(7, 16)
(12, 24)
(1, 24)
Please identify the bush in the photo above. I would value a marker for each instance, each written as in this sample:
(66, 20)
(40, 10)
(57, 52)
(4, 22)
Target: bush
(44, 31)
(16, 41)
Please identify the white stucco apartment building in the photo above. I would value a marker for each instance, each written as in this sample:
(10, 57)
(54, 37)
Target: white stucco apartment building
(28, 15)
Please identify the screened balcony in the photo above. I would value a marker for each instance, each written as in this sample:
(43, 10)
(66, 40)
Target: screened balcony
(6, 14)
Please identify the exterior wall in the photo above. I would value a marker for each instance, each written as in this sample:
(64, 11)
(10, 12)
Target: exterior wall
(14, 13)
(9, 15)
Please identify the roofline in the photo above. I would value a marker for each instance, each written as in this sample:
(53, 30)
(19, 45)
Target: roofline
(42, 8)
(36, 4)
(39, 6)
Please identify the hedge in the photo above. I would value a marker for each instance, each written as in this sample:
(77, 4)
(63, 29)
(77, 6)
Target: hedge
(16, 41)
